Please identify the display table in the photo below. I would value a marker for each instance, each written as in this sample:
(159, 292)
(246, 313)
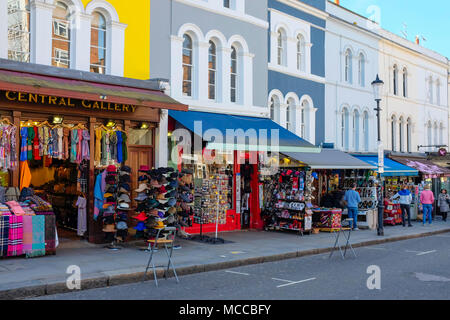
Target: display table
(330, 219)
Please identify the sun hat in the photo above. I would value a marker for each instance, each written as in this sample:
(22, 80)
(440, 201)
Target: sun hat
(122, 225)
(125, 169)
(143, 178)
(124, 198)
(141, 217)
(142, 187)
(140, 226)
(142, 196)
(155, 184)
(172, 202)
(109, 228)
(123, 206)
(111, 169)
(172, 210)
(144, 168)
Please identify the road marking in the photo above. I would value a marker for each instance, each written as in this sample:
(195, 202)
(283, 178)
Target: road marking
(427, 252)
(375, 248)
(296, 282)
(237, 252)
(281, 280)
(223, 256)
(242, 273)
(412, 251)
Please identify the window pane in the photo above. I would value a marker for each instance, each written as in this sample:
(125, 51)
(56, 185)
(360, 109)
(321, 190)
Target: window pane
(19, 30)
(61, 36)
(140, 137)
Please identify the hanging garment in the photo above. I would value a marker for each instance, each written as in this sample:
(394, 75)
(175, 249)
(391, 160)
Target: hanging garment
(23, 144)
(119, 147)
(50, 143)
(98, 196)
(30, 143)
(113, 146)
(79, 146)
(36, 155)
(4, 235)
(98, 145)
(25, 175)
(41, 141)
(13, 152)
(73, 147)
(7, 146)
(15, 241)
(108, 147)
(55, 146)
(85, 153)
(124, 147)
(45, 142)
(83, 171)
(60, 143)
(2, 147)
(82, 222)
(104, 149)
(66, 153)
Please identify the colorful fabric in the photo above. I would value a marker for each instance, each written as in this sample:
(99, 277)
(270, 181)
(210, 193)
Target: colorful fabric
(60, 132)
(73, 146)
(66, 153)
(24, 144)
(25, 175)
(41, 141)
(45, 141)
(98, 145)
(15, 242)
(38, 245)
(12, 150)
(50, 143)
(50, 234)
(85, 153)
(104, 149)
(30, 141)
(113, 146)
(27, 244)
(124, 147)
(4, 235)
(36, 155)
(79, 146)
(119, 147)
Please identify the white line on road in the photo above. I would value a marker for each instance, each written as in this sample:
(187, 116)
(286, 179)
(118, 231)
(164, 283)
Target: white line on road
(242, 273)
(281, 280)
(375, 248)
(412, 251)
(427, 252)
(296, 282)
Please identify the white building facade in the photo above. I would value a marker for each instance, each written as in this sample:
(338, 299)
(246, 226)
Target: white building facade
(414, 104)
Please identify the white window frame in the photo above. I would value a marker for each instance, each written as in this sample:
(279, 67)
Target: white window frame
(214, 70)
(348, 66)
(362, 70)
(189, 66)
(234, 73)
(59, 25)
(59, 59)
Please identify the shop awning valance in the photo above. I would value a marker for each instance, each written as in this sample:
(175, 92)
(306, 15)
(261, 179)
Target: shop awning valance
(244, 133)
(426, 167)
(79, 89)
(330, 159)
(391, 167)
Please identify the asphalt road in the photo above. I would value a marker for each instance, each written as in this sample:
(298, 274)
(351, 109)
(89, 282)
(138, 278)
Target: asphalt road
(412, 269)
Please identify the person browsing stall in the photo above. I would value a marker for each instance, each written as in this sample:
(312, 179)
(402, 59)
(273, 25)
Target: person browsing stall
(405, 198)
(352, 200)
(427, 200)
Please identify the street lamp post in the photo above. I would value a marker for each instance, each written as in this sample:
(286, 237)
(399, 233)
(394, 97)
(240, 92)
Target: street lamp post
(377, 90)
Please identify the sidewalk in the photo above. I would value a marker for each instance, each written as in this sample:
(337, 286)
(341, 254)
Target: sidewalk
(100, 267)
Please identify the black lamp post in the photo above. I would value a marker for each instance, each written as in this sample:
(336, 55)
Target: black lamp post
(377, 91)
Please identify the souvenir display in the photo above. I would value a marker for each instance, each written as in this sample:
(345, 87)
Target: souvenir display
(8, 154)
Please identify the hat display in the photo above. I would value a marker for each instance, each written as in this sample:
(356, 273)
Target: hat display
(110, 179)
(143, 178)
(125, 179)
(141, 217)
(144, 168)
(123, 206)
(140, 226)
(172, 202)
(155, 184)
(125, 169)
(123, 190)
(141, 196)
(111, 169)
(109, 228)
(125, 186)
(142, 187)
(122, 225)
(124, 198)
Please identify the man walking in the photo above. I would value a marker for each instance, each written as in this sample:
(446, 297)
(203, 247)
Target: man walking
(405, 203)
(352, 199)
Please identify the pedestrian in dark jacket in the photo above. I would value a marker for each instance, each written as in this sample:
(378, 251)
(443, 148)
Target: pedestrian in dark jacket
(443, 205)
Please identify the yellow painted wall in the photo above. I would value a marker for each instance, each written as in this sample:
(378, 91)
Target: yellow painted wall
(135, 14)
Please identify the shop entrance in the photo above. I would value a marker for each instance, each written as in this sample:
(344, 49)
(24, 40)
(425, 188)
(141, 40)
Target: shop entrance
(138, 156)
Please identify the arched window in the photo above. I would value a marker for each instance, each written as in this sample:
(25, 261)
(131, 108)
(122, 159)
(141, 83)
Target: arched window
(438, 92)
(356, 130)
(275, 104)
(300, 53)
(212, 70)
(408, 134)
(303, 119)
(401, 133)
(187, 65)
(344, 128)
(430, 89)
(19, 30)
(234, 74)
(281, 47)
(366, 130)
(395, 79)
(429, 133)
(61, 36)
(405, 82)
(348, 66)
(394, 133)
(98, 43)
(362, 70)
(290, 114)
(288, 117)
(436, 134)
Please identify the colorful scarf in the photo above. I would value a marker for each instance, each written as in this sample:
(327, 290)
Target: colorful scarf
(73, 145)
(85, 154)
(4, 235)
(15, 243)
(79, 146)
(38, 234)
(27, 235)
(66, 133)
(24, 144)
(36, 154)
(98, 145)
(50, 234)
(119, 147)
(30, 143)
(124, 147)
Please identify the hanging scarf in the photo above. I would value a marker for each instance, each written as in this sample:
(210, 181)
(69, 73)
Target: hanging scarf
(2, 147)
(41, 141)
(13, 153)
(98, 145)
(79, 146)
(55, 138)
(119, 147)
(60, 143)
(66, 153)
(104, 148)
(73, 147)
(85, 148)
(124, 146)
(50, 143)
(30, 143)
(23, 144)
(36, 155)
(45, 142)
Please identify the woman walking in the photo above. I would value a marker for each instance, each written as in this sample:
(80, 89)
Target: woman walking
(443, 204)
(427, 200)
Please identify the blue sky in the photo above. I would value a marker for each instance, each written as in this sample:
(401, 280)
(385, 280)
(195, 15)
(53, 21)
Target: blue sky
(430, 18)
